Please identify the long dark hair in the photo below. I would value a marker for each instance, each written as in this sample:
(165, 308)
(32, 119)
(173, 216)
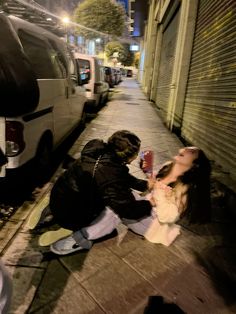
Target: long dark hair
(197, 178)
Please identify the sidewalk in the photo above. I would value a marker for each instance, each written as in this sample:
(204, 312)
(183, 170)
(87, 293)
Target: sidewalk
(120, 274)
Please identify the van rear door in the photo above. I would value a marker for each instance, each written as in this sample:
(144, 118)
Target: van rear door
(77, 95)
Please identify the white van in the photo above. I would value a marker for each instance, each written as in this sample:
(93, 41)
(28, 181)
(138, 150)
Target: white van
(55, 102)
(92, 74)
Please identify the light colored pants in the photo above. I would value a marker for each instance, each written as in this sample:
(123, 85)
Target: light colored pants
(5, 289)
(107, 221)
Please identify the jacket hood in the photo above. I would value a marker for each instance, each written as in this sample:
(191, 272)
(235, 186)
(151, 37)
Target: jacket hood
(94, 149)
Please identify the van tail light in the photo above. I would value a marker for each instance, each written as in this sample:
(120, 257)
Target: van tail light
(97, 87)
(14, 138)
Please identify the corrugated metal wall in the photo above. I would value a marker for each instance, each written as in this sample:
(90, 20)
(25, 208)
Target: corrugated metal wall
(166, 63)
(209, 119)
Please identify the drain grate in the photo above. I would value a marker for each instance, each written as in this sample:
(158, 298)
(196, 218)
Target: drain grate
(132, 103)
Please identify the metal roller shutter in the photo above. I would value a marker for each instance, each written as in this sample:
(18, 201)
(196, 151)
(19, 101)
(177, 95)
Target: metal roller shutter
(166, 63)
(209, 118)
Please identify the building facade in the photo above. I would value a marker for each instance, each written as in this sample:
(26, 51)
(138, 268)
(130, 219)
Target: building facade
(188, 70)
(138, 11)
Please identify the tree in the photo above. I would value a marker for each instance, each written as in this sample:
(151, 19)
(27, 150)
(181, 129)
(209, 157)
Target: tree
(129, 57)
(115, 47)
(124, 55)
(102, 15)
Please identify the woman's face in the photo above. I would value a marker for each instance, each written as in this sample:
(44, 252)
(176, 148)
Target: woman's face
(186, 156)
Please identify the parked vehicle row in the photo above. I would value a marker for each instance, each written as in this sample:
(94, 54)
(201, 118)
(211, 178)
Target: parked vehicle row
(113, 76)
(46, 89)
(43, 92)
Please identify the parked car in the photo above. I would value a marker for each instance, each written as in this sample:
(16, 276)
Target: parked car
(42, 97)
(109, 76)
(117, 75)
(129, 73)
(92, 75)
(123, 72)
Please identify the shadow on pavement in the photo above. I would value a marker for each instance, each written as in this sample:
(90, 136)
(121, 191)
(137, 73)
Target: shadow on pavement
(156, 305)
(219, 257)
(49, 274)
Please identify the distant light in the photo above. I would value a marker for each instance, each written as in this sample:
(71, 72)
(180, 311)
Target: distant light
(98, 40)
(134, 48)
(48, 19)
(66, 20)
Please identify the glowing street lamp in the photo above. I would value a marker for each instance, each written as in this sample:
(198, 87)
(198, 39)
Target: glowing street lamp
(66, 21)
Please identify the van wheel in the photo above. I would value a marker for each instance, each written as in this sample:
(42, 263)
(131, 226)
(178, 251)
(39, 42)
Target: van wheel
(43, 160)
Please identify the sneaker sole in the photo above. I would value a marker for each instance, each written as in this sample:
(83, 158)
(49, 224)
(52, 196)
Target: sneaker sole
(65, 252)
(35, 215)
(50, 237)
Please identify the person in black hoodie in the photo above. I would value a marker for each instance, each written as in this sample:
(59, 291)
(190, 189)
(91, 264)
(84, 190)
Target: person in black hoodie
(96, 193)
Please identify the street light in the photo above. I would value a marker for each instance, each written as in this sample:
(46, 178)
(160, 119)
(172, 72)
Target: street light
(66, 21)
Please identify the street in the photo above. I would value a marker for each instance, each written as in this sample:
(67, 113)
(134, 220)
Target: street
(121, 273)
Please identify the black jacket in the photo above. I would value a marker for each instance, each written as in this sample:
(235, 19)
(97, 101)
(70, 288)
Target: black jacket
(79, 196)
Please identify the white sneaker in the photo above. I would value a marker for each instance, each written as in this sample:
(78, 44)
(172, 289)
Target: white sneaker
(69, 245)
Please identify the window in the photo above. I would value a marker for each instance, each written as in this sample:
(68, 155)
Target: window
(58, 60)
(40, 55)
(72, 69)
(84, 66)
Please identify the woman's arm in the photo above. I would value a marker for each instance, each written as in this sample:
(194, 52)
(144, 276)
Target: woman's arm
(123, 202)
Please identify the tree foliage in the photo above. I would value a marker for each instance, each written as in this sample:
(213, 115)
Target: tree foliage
(124, 56)
(129, 57)
(115, 47)
(102, 15)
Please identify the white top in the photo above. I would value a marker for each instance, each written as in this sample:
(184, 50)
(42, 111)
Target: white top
(169, 205)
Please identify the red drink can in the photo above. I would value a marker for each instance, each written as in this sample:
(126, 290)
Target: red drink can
(146, 162)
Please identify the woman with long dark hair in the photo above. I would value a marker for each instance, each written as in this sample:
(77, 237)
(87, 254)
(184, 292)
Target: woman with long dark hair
(182, 189)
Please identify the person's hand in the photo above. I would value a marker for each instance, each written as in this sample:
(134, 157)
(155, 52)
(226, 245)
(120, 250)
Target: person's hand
(146, 161)
(142, 164)
(151, 180)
